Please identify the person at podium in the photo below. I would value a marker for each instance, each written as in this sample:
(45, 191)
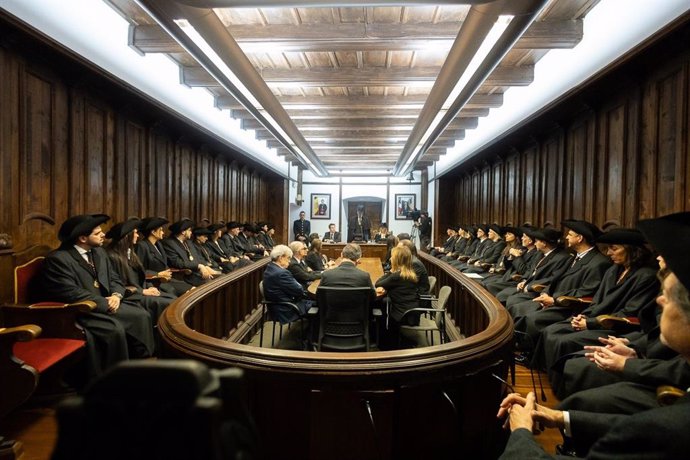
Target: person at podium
(359, 226)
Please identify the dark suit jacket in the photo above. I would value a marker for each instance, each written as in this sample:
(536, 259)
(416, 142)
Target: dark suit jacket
(67, 277)
(154, 261)
(547, 266)
(281, 286)
(301, 228)
(336, 237)
(493, 252)
(347, 275)
(581, 279)
(657, 433)
(301, 274)
(178, 257)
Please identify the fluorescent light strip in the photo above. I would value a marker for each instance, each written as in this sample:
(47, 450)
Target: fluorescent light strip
(490, 40)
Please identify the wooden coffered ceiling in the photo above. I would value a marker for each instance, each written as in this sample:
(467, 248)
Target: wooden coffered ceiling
(351, 85)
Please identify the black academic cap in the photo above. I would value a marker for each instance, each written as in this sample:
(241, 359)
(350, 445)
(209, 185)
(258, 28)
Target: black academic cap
(202, 231)
(514, 230)
(149, 224)
(215, 227)
(233, 224)
(549, 235)
(622, 236)
(670, 237)
(590, 231)
(119, 231)
(80, 225)
(496, 228)
(180, 226)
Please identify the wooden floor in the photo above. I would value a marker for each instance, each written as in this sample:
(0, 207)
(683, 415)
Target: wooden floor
(36, 427)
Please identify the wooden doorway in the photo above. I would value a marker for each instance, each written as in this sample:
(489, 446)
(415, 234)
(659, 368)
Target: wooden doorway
(372, 209)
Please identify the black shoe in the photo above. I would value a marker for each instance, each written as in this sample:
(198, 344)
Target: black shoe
(522, 358)
(564, 451)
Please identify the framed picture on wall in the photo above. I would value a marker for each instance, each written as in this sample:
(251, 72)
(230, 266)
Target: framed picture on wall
(404, 204)
(320, 205)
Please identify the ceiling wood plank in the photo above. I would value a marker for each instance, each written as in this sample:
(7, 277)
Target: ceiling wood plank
(364, 124)
(548, 34)
(352, 77)
(350, 134)
(392, 102)
(318, 114)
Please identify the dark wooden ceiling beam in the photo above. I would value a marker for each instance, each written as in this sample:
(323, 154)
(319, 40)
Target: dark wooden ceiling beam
(362, 143)
(364, 124)
(360, 102)
(319, 114)
(336, 134)
(549, 34)
(353, 77)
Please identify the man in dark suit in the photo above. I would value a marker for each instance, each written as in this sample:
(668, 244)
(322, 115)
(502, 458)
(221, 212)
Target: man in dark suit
(657, 433)
(183, 255)
(301, 228)
(359, 226)
(579, 278)
(299, 269)
(280, 286)
(331, 236)
(347, 274)
(554, 258)
(81, 270)
(152, 255)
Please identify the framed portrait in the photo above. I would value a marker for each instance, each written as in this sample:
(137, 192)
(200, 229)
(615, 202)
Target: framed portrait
(320, 205)
(404, 204)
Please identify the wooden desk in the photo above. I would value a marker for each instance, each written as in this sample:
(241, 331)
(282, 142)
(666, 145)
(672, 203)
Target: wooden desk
(371, 265)
(333, 250)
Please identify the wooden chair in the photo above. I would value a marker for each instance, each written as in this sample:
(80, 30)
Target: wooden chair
(45, 335)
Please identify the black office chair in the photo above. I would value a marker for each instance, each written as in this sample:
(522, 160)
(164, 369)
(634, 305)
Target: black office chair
(433, 317)
(166, 409)
(267, 306)
(343, 318)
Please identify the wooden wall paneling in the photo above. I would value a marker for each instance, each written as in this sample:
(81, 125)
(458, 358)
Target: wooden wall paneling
(511, 191)
(485, 193)
(553, 178)
(498, 196)
(97, 181)
(631, 159)
(42, 110)
(612, 149)
(529, 173)
(578, 170)
(669, 148)
(10, 147)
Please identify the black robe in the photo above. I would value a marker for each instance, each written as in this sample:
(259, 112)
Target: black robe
(637, 290)
(110, 337)
(154, 260)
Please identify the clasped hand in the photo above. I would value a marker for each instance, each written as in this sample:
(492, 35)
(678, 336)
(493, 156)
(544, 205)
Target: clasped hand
(523, 412)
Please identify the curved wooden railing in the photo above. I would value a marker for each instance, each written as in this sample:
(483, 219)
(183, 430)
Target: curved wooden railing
(393, 404)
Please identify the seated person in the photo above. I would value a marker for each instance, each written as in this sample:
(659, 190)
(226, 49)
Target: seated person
(123, 237)
(152, 255)
(265, 235)
(346, 274)
(401, 286)
(281, 286)
(182, 254)
(200, 238)
(249, 243)
(448, 245)
(382, 234)
(331, 236)
(298, 267)
(627, 287)
(391, 242)
(418, 267)
(315, 260)
(656, 433)
(219, 252)
(81, 270)
(492, 252)
(524, 258)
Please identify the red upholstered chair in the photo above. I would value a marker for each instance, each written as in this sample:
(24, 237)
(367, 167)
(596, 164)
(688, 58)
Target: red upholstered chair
(27, 359)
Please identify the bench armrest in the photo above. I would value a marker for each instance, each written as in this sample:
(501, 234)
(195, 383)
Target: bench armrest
(55, 319)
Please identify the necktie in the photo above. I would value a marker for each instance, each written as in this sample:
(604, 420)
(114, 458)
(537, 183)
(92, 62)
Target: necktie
(94, 273)
(577, 258)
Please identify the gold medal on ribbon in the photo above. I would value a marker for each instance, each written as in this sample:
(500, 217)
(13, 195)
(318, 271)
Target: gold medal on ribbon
(191, 257)
(96, 284)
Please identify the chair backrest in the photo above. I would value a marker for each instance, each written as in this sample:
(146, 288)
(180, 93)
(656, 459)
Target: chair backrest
(432, 284)
(443, 296)
(24, 276)
(343, 318)
(156, 409)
